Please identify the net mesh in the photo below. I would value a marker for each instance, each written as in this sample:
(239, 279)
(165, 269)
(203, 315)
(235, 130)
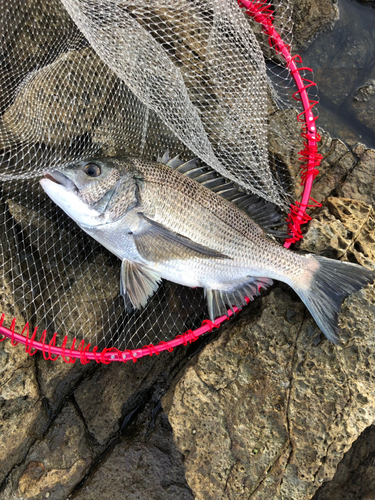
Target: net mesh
(84, 78)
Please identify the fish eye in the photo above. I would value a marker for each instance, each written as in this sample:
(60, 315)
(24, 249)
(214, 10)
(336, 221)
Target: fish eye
(92, 170)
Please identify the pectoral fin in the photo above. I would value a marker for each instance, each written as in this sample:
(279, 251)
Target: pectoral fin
(137, 284)
(157, 243)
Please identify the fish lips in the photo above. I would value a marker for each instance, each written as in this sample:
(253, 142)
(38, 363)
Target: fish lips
(60, 178)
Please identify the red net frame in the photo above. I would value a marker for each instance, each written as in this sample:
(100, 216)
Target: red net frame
(261, 11)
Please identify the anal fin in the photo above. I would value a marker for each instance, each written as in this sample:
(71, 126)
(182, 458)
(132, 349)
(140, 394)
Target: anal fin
(137, 284)
(219, 301)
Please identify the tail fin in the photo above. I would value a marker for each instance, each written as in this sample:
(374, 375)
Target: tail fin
(331, 283)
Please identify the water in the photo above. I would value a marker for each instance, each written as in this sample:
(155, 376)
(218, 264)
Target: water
(343, 60)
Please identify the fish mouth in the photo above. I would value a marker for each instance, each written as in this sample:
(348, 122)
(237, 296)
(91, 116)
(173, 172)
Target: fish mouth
(63, 180)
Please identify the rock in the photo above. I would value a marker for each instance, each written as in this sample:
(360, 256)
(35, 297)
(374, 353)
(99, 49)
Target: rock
(310, 17)
(28, 39)
(146, 464)
(145, 473)
(363, 104)
(22, 413)
(62, 100)
(359, 183)
(58, 379)
(370, 2)
(335, 165)
(269, 409)
(121, 131)
(55, 463)
(119, 390)
(284, 144)
(345, 229)
(355, 474)
(73, 280)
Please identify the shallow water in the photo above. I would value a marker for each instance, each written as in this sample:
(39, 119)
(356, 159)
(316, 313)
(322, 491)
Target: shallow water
(343, 59)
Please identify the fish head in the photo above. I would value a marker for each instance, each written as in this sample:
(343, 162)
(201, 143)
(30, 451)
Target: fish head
(86, 190)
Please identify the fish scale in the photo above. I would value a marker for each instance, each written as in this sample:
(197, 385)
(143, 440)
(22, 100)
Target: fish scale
(163, 224)
(171, 199)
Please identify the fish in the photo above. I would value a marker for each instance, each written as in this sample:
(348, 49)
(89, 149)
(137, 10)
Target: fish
(181, 221)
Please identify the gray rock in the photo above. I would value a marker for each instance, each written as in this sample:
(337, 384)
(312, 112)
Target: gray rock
(51, 108)
(360, 182)
(116, 390)
(370, 2)
(310, 17)
(146, 464)
(53, 464)
(355, 477)
(363, 104)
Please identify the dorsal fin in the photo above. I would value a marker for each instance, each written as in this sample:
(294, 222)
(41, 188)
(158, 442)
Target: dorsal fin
(263, 212)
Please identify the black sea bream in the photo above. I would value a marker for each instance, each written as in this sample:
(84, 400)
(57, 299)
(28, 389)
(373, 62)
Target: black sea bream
(162, 223)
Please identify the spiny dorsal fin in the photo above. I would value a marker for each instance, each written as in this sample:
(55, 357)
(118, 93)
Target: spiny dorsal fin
(264, 213)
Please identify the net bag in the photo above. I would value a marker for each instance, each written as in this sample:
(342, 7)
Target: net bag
(85, 78)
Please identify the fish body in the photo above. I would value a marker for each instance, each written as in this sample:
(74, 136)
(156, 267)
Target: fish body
(163, 221)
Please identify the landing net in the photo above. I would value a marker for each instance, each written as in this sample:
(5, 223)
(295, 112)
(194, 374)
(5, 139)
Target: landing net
(85, 78)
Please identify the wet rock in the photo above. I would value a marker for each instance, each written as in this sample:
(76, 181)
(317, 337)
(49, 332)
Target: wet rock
(61, 100)
(145, 464)
(55, 463)
(338, 75)
(370, 2)
(363, 104)
(360, 182)
(116, 390)
(310, 17)
(343, 62)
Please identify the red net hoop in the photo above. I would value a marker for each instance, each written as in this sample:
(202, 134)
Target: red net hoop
(261, 12)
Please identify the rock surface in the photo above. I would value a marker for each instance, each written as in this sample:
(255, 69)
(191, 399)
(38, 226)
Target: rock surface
(363, 104)
(50, 108)
(95, 426)
(278, 403)
(343, 63)
(310, 17)
(355, 477)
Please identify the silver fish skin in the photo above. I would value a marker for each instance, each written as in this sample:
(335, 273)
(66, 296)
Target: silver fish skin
(164, 224)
